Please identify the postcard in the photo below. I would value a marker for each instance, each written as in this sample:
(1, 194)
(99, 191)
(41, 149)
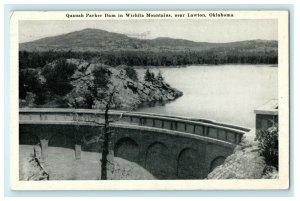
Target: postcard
(149, 100)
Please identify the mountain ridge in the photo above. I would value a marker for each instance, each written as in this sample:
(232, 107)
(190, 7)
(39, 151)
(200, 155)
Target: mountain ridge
(96, 40)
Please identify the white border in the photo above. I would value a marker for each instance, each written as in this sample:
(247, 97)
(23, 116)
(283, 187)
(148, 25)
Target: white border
(283, 71)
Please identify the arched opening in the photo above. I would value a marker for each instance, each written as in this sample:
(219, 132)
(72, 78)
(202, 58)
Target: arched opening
(28, 138)
(127, 148)
(216, 162)
(61, 139)
(189, 165)
(157, 160)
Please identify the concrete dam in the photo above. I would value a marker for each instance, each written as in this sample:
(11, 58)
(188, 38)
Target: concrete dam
(169, 147)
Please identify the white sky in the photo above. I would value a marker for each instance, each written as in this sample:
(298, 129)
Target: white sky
(196, 30)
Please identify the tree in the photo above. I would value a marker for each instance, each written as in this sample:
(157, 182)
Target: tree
(131, 73)
(102, 80)
(106, 137)
(101, 77)
(159, 76)
(29, 81)
(149, 76)
(58, 77)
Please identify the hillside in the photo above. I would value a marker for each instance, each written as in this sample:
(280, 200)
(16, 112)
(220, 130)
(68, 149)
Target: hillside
(99, 40)
(85, 40)
(116, 49)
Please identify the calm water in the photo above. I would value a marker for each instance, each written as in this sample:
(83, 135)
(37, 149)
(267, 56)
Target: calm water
(227, 93)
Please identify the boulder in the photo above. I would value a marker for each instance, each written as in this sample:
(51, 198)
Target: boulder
(245, 163)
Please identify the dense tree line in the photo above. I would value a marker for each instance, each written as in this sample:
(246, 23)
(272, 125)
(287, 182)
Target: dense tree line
(57, 80)
(152, 58)
(40, 59)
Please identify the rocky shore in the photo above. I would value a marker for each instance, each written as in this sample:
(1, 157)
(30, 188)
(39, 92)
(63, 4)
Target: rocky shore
(245, 163)
(129, 93)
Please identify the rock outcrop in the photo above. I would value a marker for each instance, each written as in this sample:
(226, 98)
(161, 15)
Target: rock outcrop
(129, 95)
(245, 163)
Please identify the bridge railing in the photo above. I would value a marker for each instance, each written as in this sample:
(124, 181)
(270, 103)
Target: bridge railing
(228, 133)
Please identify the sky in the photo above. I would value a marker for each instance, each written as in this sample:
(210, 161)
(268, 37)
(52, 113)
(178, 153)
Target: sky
(196, 30)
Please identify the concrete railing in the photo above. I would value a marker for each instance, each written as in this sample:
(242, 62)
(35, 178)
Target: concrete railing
(224, 132)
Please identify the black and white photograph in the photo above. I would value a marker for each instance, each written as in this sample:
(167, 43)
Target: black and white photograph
(151, 96)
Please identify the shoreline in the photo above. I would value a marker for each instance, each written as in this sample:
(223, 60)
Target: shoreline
(206, 65)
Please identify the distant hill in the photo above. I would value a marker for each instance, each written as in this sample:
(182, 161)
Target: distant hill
(116, 49)
(96, 40)
(84, 40)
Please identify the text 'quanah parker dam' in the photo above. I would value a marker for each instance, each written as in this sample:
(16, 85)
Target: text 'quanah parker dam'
(168, 147)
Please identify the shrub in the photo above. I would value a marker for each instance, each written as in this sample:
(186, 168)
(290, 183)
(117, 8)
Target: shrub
(159, 76)
(29, 81)
(89, 101)
(268, 143)
(59, 76)
(131, 73)
(101, 77)
(149, 76)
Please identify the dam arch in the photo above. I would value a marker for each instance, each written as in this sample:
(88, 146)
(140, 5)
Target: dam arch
(189, 164)
(62, 139)
(157, 160)
(29, 138)
(127, 148)
(149, 140)
(219, 160)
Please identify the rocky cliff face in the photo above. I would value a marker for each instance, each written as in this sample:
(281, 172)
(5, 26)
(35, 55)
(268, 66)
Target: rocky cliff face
(245, 163)
(129, 94)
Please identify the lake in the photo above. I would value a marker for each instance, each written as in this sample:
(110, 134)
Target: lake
(225, 93)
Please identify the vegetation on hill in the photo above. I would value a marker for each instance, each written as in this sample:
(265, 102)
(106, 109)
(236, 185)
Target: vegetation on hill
(118, 49)
(148, 58)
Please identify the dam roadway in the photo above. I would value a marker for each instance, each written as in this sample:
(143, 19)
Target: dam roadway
(169, 147)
